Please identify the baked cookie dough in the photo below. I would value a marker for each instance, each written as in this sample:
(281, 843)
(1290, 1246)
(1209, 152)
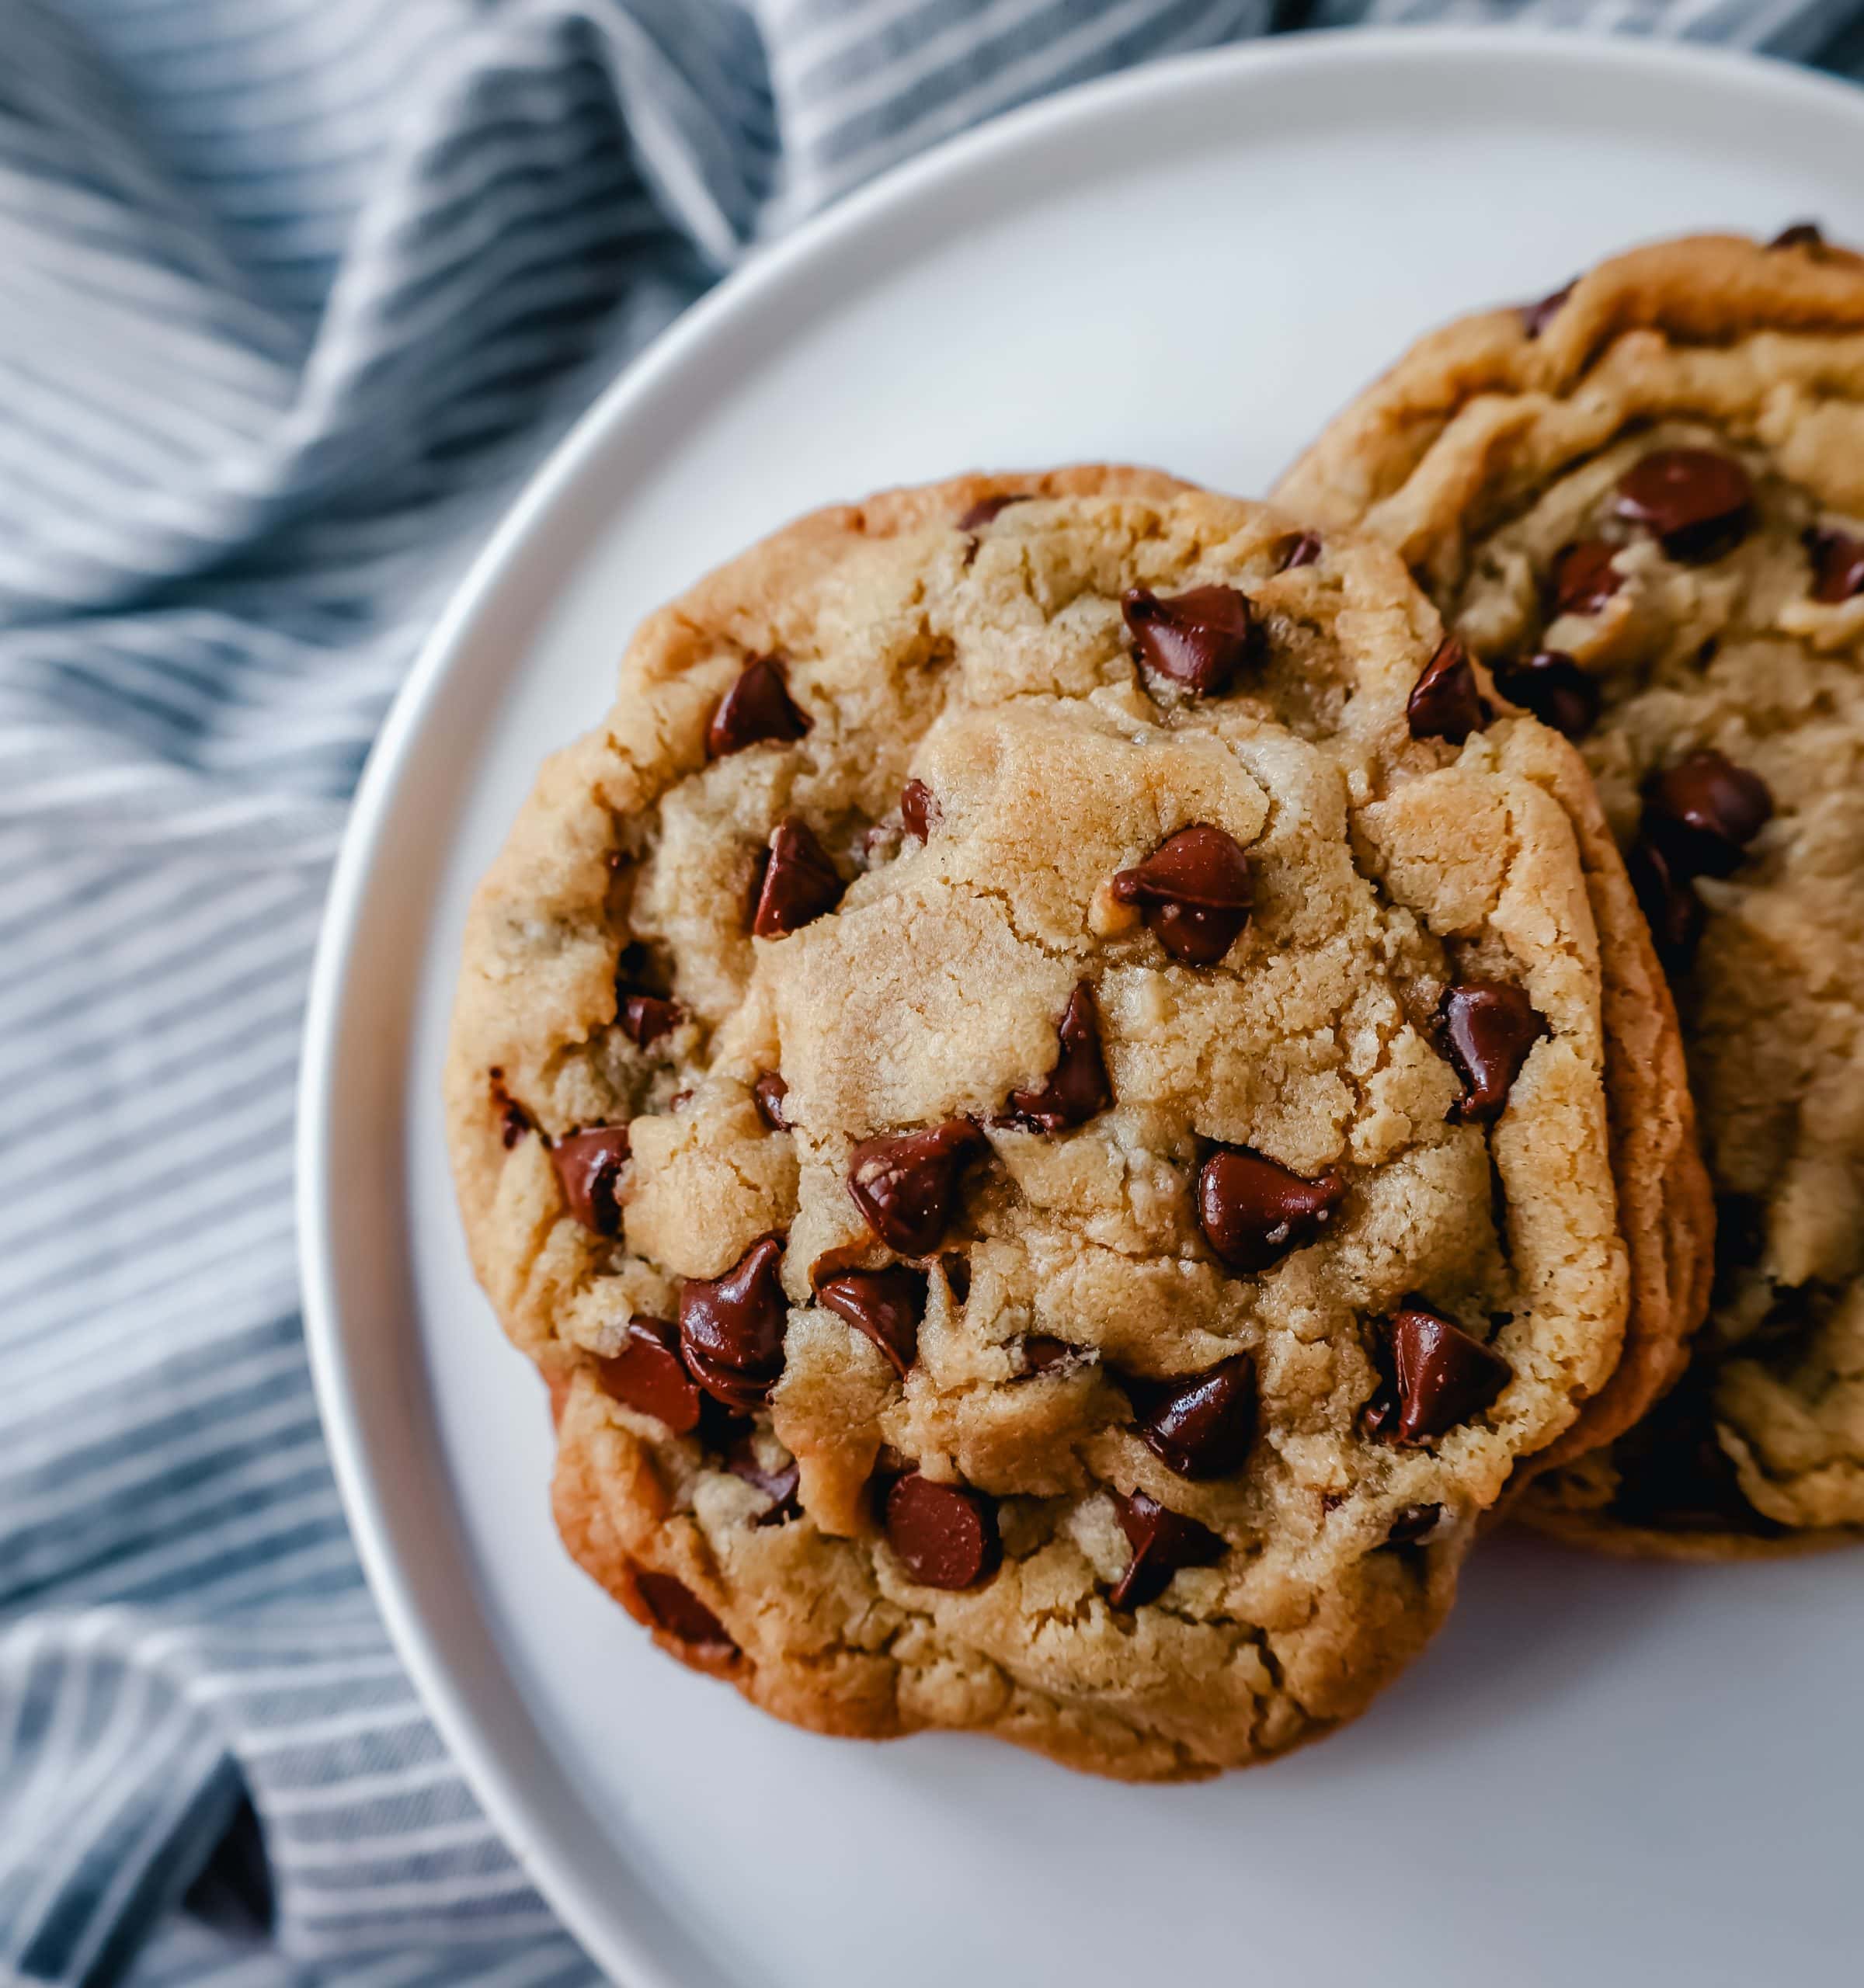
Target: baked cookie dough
(1641, 501)
(1037, 1091)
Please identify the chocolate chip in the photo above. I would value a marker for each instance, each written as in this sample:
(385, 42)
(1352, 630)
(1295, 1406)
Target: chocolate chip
(644, 1018)
(1553, 686)
(1440, 1376)
(797, 882)
(769, 1092)
(1162, 1541)
(1445, 702)
(885, 1306)
(514, 1121)
(780, 1486)
(1536, 317)
(906, 1184)
(646, 1375)
(731, 1327)
(1489, 1026)
(1302, 552)
(1703, 811)
(1837, 564)
(588, 1167)
(1253, 1212)
(1698, 502)
(679, 1612)
(1409, 1524)
(758, 706)
(1200, 1425)
(1043, 1353)
(987, 510)
(1669, 901)
(945, 1534)
(1194, 892)
(1199, 640)
(918, 811)
(1673, 1474)
(1077, 1088)
(1799, 235)
(1582, 579)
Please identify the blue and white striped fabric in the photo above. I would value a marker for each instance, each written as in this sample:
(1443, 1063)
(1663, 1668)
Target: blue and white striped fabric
(292, 293)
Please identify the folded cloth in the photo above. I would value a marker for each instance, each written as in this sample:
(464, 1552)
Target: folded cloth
(293, 293)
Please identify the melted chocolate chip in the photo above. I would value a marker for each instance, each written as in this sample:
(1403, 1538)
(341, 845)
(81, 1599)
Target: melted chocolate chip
(945, 1534)
(1837, 564)
(1445, 702)
(918, 811)
(1697, 502)
(679, 1612)
(758, 708)
(797, 882)
(780, 1486)
(1199, 640)
(1043, 1353)
(1440, 1376)
(906, 1184)
(646, 1375)
(1553, 686)
(1799, 235)
(1490, 1027)
(1703, 811)
(588, 1167)
(769, 1092)
(1409, 1524)
(731, 1327)
(1200, 1425)
(1302, 552)
(1253, 1212)
(885, 1306)
(987, 510)
(514, 1121)
(1669, 901)
(644, 1018)
(1194, 892)
(1582, 579)
(1536, 317)
(1077, 1088)
(1162, 1541)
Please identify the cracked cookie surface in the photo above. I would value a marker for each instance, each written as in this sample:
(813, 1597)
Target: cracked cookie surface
(1049, 1135)
(1642, 502)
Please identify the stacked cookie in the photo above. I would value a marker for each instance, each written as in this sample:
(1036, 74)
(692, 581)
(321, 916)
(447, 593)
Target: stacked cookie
(1073, 1091)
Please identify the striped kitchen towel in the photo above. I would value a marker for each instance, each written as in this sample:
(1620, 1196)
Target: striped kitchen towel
(292, 294)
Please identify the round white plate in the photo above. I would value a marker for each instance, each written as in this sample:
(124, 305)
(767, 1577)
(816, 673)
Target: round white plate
(1603, 1773)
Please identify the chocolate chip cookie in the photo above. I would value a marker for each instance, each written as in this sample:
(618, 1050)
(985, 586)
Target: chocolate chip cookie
(1641, 500)
(1038, 1091)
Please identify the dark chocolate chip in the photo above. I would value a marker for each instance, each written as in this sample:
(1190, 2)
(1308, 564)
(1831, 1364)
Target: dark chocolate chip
(780, 1486)
(769, 1092)
(1077, 1088)
(1043, 1353)
(1536, 317)
(644, 1018)
(1199, 640)
(918, 809)
(1200, 1425)
(1674, 1475)
(885, 1306)
(1799, 235)
(1440, 1376)
(1669, 901)
(1162, 1541)
(1445, 702)
(1489, 1026)
(758, 706)
(1253, 1211)
(1698, 502)
(905, 1185)
(1582, 578)
(514, 1121)
(797, 882)
(588, 1167)
(945, 1534)
(1553, 686)
(1302, 552)
(679, 1612)
(1837, 564)
(1194, 892)
(646, 1375)
(731, 1327)
(1703, 811)
(987, 510)
(1409, 1524)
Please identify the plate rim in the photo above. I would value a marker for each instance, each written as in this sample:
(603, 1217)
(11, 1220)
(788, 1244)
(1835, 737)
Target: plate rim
(617, 1948)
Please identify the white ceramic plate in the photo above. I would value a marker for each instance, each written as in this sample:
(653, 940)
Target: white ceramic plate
(1603, 1773)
